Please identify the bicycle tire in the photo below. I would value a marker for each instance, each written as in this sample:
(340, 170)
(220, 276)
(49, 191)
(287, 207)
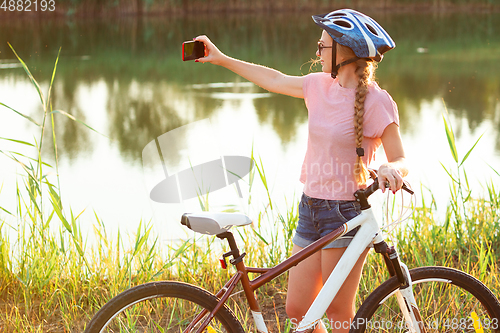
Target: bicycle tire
(446, 299)
(150, 308)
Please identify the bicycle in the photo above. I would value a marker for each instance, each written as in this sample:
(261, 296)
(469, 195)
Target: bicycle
(425, 299)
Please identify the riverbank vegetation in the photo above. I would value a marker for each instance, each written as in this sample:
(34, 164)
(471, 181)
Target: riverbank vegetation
(53, 278)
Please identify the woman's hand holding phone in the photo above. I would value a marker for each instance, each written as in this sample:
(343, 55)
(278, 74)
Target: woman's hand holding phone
(265, 77)
(212, 53)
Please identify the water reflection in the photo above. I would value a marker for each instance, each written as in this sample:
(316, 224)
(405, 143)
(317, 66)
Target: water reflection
(73, 138)
(285, 114)
(150, 91)
(124, 77)
(140, 112)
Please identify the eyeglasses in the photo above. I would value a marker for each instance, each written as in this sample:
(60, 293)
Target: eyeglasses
(321, 47)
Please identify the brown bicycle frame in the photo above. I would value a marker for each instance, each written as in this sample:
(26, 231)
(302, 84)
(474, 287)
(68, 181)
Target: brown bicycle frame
(267, 274)
(389, 254)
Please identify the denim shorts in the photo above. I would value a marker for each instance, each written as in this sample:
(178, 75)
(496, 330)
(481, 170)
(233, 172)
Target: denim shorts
(318, 217)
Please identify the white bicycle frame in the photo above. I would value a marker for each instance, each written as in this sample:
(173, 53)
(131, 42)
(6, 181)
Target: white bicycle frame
(368, 233)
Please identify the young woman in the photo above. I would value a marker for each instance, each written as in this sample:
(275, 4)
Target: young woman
(349, 118)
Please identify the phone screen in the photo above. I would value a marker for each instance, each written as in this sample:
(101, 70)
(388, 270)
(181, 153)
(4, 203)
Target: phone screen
(192, 50)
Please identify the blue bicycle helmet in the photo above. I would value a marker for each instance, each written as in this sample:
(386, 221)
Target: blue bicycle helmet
(357, 31)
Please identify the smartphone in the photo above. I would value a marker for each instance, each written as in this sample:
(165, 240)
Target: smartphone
(192, 50)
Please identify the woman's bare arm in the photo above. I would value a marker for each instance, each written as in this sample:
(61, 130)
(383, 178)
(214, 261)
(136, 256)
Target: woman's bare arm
(265, 77)
(393, 171)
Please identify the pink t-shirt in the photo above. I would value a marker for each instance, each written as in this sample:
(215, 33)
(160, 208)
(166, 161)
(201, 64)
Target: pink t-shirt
(328, 168)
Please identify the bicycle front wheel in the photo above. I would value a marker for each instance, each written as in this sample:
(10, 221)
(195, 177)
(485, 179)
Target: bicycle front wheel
(165, 306)
(449, 301)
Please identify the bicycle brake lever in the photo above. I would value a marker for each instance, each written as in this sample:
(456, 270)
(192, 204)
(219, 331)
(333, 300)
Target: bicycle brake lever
(404, 187)
(407, 189)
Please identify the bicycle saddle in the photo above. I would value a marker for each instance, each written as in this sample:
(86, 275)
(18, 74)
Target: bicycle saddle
(213, 223)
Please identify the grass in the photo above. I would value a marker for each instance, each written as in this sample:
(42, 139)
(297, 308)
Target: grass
(52, 280)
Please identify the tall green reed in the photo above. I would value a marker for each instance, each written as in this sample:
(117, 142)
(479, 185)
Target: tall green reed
(34, 264)
(468, 238)
(463, 218)
(49, 275)
(460, 190)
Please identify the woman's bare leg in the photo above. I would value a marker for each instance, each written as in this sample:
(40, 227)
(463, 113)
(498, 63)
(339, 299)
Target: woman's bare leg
(304, 283)
(342, 310)
(306, 279)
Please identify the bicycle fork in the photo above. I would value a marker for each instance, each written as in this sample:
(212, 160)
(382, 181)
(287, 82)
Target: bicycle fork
(404, 294)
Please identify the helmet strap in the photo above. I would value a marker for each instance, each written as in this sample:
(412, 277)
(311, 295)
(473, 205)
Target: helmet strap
(347, 62)
(335, 68)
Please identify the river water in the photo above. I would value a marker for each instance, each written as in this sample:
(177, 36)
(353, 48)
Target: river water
(125, 78)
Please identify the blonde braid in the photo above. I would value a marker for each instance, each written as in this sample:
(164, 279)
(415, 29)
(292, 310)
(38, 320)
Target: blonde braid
(365, 71)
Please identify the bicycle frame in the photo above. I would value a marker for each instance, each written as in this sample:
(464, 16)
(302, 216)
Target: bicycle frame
(368, 233)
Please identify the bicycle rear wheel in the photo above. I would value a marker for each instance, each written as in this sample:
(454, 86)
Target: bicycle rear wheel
(449, 301)
(164, 306)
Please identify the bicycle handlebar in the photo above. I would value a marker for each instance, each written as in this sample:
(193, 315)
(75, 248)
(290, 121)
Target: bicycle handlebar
(375, 186)
(363, 194)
